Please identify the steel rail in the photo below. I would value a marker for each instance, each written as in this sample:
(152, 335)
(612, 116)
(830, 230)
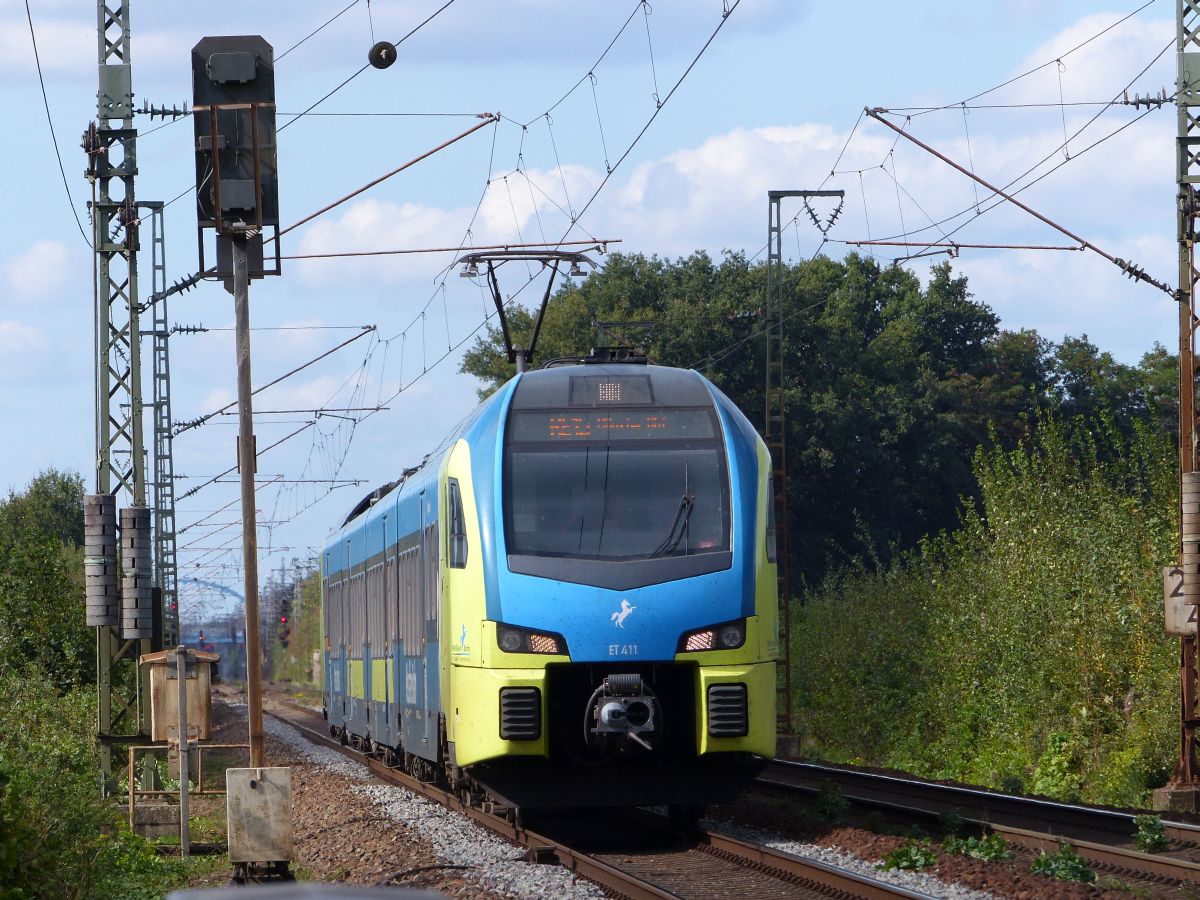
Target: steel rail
(1004, 814)
(805, 873)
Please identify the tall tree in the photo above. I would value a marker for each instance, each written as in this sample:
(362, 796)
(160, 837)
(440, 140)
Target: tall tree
(41, 581)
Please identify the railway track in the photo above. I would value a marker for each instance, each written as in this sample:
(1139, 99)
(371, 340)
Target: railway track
(1103, 837)
(635, 855)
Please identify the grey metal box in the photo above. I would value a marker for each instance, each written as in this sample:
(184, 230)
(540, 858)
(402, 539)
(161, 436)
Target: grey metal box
(259, 814)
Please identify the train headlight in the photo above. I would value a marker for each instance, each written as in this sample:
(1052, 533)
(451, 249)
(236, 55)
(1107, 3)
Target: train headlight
(731, 635)
(510, 640)
(726, 636)
(525, 640)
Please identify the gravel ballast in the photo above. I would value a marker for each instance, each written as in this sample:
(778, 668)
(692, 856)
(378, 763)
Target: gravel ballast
(832, 856)
(450, 840)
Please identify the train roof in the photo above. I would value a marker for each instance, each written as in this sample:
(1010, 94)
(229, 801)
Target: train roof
(610, 384)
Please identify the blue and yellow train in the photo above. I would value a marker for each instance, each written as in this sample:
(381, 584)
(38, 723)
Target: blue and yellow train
(572, 601)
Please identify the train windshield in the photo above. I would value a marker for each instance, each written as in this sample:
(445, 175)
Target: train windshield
(616, 484)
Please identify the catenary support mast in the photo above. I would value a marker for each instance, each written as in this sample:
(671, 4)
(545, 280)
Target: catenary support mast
(775, 436)
(166, 571)
(1183, 791)
(111, 145)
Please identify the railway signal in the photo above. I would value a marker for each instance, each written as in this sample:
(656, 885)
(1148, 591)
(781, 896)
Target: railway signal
(237, 196)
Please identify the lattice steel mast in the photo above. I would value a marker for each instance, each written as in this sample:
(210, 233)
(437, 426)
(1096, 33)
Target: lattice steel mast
(111, 145)
(774, 434)
(166, 571)
(775, 431)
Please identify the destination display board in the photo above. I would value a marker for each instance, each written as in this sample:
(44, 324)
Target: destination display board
(611, 425)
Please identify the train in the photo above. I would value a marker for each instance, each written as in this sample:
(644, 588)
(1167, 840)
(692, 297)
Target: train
(571, 601)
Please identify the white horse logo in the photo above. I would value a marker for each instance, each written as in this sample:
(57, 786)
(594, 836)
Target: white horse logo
(623, 613)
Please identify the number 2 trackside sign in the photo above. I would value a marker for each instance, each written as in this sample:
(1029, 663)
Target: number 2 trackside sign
(1180, 616)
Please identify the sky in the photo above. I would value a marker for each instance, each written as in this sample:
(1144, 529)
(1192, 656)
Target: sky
(775, 101)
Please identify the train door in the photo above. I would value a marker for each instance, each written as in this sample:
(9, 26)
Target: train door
(383, 724)
(423, 618)
(391, 574)
(343, 612)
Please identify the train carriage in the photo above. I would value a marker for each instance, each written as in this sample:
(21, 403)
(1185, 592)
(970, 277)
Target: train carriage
(572, 601)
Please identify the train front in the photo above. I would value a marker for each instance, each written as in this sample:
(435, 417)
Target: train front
(626, 654)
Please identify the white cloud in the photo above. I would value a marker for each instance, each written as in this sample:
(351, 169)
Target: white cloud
(21, 349)
(64, 45)
(39, 272)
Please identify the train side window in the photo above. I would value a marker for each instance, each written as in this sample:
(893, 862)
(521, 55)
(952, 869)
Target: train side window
(456, 527)
(771, 550)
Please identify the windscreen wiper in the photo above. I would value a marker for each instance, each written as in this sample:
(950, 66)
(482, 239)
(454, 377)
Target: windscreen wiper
(678, 528)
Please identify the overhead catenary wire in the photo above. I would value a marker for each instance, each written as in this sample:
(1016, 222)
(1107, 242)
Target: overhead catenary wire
(50, 122)
(601, 245)
(429, 363)
(1048, 63)
(1128, 268)
(1009, 186)
(195, 423)
(320, 28)
(1121, 98)
(437, 12)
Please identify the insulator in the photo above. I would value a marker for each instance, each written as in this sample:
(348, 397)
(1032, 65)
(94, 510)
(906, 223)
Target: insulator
(101, 592)
(162, 112)
(137, 588)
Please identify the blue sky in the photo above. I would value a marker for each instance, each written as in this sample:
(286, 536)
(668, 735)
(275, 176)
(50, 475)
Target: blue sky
(770, 104)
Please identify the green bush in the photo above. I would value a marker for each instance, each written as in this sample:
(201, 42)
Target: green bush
(1027, 647)
(58, 839)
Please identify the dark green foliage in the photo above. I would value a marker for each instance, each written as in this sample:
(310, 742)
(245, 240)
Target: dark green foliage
(1151, 834)
(51, 505)
(1025, 646)
(989, 847)
(951, 823)
(912, 854)
(831, 804)
(1065, 865)
(41, 581)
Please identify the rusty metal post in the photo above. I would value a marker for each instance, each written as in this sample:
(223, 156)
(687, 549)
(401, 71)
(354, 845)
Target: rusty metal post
(1182, 793)
(246, 465)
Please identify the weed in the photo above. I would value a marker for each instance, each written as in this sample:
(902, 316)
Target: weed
(910, 855)
(876, 822)
(1151, 834)
(951, 822)
(1065, 865)
(990, 847)
(831, 805)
